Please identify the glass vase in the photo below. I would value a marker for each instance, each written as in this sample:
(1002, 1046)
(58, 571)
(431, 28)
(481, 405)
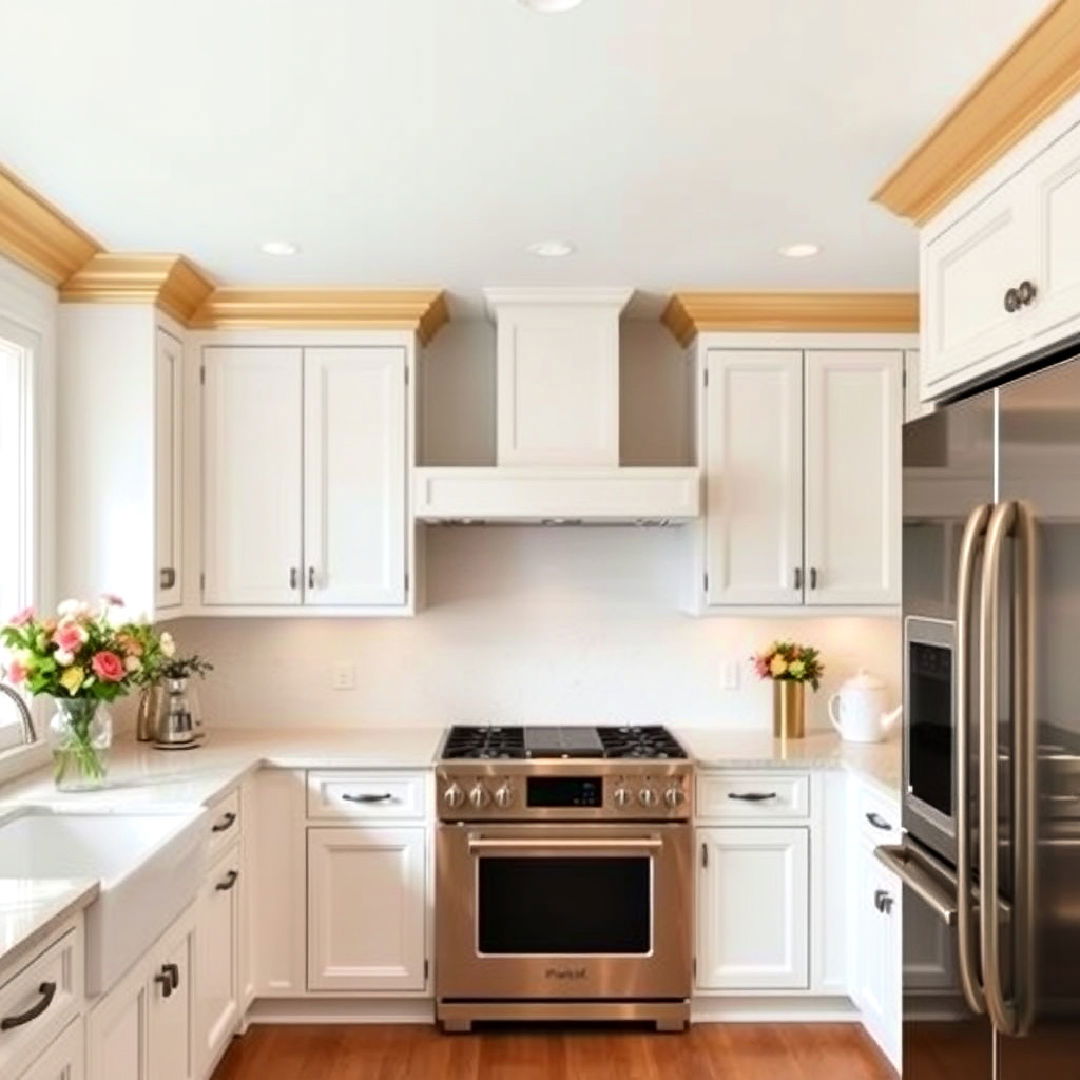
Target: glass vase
(81, 737)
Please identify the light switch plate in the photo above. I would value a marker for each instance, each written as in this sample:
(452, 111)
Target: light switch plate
(343, 677)
(729, 675)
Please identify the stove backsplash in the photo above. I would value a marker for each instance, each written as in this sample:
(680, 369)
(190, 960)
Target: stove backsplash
(525, 625)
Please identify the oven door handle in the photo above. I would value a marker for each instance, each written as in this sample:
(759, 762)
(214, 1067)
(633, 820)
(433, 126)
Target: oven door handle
(644, 843)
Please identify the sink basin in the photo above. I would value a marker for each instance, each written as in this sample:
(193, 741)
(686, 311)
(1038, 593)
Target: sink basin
(148, 864)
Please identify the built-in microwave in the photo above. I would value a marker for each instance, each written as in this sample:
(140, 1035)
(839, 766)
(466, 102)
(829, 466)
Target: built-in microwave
(930, 733)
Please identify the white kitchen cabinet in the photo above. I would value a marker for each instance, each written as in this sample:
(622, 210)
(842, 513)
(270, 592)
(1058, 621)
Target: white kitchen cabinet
(801, 450)
(366, 909)
(305, 460)
(119, 455)
(753, 409)
(854, 417)
(63, 1060)
(142, 1029)
(217, 1009)
(753, 919)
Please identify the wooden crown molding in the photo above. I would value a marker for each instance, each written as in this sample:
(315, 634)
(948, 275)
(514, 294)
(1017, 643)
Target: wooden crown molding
(171, 282)
(1038, 73)
(688, 313)
(422, 310)
(36, 236)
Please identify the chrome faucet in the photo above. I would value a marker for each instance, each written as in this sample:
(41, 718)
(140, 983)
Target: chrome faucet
(25, 719)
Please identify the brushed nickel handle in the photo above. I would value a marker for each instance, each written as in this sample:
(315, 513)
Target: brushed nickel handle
(920, 879)
(367, 800)
(47, 990)
(230, 880)
(752, 796)
(970, 974)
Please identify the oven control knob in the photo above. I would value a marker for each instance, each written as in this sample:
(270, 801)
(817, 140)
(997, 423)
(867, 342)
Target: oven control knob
(504, 796)
(623, 797)
(674, 798)
(647, 796)
(479, 796)
(453, 796)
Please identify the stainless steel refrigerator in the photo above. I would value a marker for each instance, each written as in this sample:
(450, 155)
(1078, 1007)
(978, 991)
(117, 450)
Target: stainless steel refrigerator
(990, 858)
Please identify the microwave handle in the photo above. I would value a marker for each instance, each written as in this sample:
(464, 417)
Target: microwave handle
(970, 544)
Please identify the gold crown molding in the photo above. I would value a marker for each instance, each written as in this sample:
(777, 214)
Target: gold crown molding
(171, 282)
(687, 313)
(1037, 74)
(422, 310)
(36, 236)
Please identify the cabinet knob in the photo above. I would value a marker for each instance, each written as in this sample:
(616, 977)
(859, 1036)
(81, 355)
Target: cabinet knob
(1012, 300)
(1026, 292)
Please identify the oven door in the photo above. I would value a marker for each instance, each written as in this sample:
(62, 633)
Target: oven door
(591, 912)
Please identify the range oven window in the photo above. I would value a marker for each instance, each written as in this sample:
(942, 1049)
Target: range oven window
(931, 738)
(565, 905)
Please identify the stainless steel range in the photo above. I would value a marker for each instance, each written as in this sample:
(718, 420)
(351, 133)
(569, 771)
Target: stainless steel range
(564, 880)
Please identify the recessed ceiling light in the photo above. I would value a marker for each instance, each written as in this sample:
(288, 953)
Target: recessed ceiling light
(552, 249)
(279, 247)
(799, 251)
(551, 7)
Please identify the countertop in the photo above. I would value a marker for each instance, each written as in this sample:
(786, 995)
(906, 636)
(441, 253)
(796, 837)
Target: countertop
(878, 763)
(30, 910)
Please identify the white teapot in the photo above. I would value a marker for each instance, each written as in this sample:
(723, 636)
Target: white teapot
(857, 711)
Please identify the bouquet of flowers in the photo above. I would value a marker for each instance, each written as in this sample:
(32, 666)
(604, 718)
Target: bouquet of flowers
(790, 660)
(82, 657)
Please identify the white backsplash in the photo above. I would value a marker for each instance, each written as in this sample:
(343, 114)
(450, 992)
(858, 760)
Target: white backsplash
(525, 624)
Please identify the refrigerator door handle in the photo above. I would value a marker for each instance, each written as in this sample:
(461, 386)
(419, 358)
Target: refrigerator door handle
(970, 545)
(1011, 1017)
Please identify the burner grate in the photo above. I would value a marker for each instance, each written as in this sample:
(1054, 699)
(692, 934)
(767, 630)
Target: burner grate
(485, 743)
(640, 742)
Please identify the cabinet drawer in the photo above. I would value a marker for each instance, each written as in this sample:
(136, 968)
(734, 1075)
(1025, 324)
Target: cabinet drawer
(876, 816)
(372, 795)
(224, 823)
(752, 794)
(43, 996)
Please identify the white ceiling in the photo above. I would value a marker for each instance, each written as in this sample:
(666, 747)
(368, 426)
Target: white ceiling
(428, 142)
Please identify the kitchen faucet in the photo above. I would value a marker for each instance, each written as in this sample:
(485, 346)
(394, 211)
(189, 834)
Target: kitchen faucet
(25, 719)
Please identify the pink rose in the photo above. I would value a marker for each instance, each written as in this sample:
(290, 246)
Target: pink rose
(16, 673)
(108, 667)
(22, 618)
(69, 636)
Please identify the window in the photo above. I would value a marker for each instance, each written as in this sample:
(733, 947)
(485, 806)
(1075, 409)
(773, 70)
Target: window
(17, 474)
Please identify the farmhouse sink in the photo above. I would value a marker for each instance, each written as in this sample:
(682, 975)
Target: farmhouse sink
(148, 865)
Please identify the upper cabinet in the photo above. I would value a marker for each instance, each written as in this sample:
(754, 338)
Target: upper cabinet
(1001, 271)
(119, 455)
(304, 464)
(801, 455)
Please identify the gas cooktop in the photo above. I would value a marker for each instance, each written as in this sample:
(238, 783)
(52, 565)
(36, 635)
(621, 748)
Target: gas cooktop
(501, 743)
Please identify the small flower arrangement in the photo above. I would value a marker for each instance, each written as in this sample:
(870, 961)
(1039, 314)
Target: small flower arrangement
(790, 660)
(185, 667)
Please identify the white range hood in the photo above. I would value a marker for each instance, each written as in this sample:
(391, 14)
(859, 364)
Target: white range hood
(557, 425)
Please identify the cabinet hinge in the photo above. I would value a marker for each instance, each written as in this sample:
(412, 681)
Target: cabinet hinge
(202, 374)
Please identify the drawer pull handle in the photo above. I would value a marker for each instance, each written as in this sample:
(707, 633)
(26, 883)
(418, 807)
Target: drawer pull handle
(752, 796)
(225, 823)
(369, 800)
(878, 821)
(173, 972)
(883, 901)
(166, 577)
(229, 882)
(47, 990)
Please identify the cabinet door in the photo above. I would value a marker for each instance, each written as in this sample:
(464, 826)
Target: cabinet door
(217, 1000)
(366, 909)
(64, 1058)
(354, 476)
(1054, 180)
(753, 909)
(966, 329)
(753, 453)
(854, 417)
(168, 383)
(171, 1010)
(252, 446)
(116, 1031)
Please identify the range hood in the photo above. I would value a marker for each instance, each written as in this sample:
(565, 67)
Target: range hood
(557, 399)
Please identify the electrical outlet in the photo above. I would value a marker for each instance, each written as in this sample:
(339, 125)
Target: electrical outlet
(729, 675)
(343, 677)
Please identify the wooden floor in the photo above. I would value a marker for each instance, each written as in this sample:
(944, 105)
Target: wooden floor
(414, 1052)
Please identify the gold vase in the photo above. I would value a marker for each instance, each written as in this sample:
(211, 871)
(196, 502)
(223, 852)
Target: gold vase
(789, 709)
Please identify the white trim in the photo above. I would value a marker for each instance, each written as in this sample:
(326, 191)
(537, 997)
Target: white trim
(772, 1009)
(341, 1011)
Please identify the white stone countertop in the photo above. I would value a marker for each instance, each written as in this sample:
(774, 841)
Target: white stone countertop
(879, 763)
(31, 909)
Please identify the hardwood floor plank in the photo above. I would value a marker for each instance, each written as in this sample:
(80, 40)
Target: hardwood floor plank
(422, 1052)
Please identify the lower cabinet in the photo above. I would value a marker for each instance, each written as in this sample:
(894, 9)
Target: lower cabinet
(366, 908)
(753, 919)
(141, 1029)
(217, 1007)
(64, 1058)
